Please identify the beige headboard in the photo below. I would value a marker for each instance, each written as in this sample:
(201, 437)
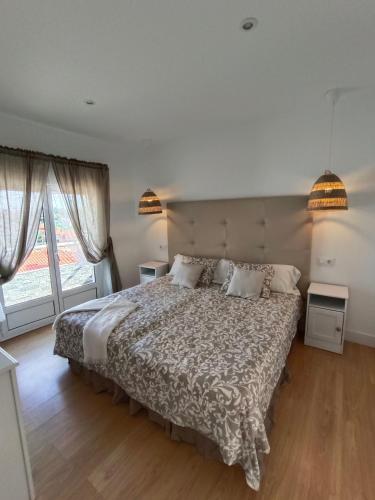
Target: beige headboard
(274, 230)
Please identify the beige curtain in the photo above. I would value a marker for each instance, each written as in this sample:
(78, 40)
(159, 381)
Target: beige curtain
(22, 189)
(86, 193)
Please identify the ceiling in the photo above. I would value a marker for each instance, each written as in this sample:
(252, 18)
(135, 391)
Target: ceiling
(162, 69)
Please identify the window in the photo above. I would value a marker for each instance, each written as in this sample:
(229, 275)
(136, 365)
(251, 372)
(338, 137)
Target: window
(56, 274)
(74, 269)
(33, 279)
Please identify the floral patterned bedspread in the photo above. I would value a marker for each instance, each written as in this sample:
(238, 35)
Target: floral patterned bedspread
(200, 359)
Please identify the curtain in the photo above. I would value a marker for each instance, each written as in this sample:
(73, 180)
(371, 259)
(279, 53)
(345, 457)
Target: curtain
(22, 189)
(86, 194)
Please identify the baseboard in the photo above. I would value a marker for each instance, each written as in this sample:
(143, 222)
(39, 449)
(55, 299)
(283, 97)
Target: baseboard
(9, 334)
(360, 338)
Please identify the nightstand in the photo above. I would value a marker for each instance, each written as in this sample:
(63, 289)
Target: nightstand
(151, 270)
(326, 316)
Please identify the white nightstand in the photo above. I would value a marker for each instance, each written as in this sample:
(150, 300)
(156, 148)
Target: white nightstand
(151, 270)
(326, 316)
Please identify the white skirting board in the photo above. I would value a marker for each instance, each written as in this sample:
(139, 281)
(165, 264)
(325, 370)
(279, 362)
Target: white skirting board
(360, 338)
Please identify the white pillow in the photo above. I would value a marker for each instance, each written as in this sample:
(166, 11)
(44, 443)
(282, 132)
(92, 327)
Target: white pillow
(246, 284)
(285, 279)
(221, 271)
(187, 275)
(177, 261)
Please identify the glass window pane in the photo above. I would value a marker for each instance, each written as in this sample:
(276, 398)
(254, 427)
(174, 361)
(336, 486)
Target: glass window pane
(74, 269)
(33, 279)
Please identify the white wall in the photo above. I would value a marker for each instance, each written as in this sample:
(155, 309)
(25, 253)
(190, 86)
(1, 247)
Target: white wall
(26, 134)
(281, 155)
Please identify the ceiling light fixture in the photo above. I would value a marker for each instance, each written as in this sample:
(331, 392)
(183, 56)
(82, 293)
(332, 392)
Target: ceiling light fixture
(89, 102)
(149, 203)
(328, 192)
(249, 23)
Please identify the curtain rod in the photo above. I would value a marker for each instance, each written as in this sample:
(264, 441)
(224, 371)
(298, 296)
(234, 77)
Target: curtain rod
(44, 156)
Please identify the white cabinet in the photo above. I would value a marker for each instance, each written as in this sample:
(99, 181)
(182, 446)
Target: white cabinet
(152, 270)
(15, 473)
(326, 315)
(325, 325)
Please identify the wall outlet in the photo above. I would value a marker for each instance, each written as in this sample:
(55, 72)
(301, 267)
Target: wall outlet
(326, 261)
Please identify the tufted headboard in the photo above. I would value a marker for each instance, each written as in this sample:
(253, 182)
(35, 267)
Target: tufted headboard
(274, 230)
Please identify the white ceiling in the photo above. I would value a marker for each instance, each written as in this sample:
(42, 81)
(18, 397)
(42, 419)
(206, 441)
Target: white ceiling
(163, 68)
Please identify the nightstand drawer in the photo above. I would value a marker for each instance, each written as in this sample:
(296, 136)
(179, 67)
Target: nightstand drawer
(325, 325)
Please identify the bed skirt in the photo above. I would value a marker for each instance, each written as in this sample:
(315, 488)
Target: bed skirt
(204, 445)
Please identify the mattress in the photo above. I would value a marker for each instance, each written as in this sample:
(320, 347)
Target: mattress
(199, 359)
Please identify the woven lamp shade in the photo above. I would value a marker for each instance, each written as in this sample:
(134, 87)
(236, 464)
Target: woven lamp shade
(328, 193)
(149, 204)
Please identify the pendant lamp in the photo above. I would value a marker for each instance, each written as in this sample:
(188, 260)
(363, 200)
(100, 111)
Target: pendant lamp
(328, 192)
(149, 203)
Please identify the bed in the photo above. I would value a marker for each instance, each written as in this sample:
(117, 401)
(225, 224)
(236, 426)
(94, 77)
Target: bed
(203, 363)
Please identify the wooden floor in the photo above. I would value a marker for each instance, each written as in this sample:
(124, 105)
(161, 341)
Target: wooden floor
(83, 447)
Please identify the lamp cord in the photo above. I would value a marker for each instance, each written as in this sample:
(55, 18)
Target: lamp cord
(330, 155)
